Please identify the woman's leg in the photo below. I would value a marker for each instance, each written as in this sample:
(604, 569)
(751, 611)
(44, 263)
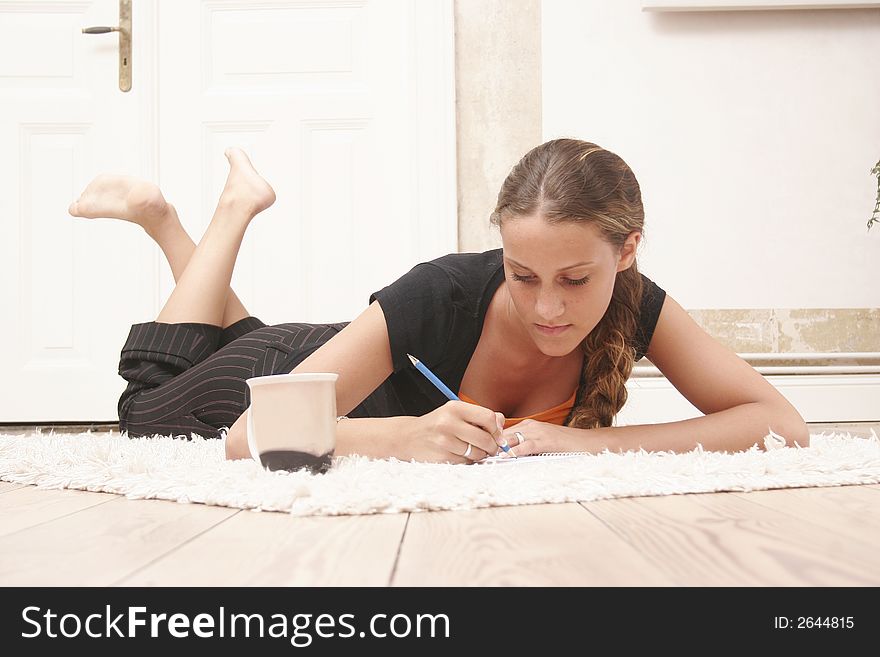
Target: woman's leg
(200, 294)
(178, 248)
(141, 202)
(193, 389)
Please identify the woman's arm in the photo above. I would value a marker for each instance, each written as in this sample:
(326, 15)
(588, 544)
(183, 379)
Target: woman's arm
(361, 355)
(740, 406)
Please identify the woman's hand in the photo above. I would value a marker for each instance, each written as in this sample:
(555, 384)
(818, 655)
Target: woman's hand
(457, 432)
(442, 436)
(541, 437)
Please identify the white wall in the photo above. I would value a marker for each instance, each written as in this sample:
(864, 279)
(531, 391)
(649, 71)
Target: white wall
(752, 134)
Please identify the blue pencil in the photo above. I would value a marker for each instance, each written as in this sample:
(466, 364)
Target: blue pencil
(442, 387)
(433, 378)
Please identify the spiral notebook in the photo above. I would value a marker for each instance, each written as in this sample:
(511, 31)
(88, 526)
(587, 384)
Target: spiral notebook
(544, 456)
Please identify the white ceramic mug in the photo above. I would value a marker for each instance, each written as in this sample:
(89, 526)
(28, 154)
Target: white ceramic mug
(292, 420)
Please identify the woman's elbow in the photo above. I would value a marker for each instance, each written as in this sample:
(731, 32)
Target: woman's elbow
(236, 446)
(791, 427)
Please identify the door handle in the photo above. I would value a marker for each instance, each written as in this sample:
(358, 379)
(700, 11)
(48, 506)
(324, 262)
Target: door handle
(124, 29)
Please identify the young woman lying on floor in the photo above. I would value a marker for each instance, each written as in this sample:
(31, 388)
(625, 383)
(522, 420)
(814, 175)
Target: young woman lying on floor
(537, 338)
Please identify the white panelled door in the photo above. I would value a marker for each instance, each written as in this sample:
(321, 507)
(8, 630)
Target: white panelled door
(70, 286)
(345, 106)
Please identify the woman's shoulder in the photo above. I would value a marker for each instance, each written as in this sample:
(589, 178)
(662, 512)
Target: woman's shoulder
(455, 276)
(652, 300)
(651, 292)
(649, 312)
(469, 278)
(467, 262)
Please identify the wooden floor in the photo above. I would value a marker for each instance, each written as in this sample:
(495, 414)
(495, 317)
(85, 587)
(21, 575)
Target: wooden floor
(795, 537)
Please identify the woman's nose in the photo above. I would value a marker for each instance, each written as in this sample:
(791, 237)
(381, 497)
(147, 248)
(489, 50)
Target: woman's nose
(549, 305)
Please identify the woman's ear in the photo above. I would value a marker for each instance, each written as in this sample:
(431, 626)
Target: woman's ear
(628, 250)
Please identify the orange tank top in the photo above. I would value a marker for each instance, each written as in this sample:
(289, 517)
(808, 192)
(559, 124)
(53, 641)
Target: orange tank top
(555, 415)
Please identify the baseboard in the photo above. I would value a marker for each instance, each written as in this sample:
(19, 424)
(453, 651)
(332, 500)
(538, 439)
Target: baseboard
(818, 398)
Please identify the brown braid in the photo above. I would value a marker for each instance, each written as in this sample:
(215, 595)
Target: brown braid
(568, 180)
(609, 356)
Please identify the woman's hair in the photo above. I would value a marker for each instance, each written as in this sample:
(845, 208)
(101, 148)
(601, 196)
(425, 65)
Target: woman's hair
(568, 180)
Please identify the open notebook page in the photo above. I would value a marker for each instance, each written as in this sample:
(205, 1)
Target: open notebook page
(547, 456)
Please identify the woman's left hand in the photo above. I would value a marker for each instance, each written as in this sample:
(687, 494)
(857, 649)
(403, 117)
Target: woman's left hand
(541, 437)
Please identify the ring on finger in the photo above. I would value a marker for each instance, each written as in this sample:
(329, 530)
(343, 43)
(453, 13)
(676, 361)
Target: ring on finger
(467, 452)
(521, 438)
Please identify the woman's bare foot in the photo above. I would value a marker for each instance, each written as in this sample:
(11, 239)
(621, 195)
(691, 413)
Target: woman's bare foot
(245, 188)
(123, 197)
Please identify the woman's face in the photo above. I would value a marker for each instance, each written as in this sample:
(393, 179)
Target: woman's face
(560, 277)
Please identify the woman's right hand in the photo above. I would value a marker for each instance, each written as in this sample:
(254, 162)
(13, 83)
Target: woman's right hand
(457, 432)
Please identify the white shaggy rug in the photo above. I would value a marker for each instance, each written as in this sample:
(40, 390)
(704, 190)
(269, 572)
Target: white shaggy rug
(196, 471)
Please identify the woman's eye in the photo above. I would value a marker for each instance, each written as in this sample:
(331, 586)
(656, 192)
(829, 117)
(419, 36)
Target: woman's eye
(567, 281)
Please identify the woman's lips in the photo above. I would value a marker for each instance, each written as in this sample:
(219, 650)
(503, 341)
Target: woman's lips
(552, 330)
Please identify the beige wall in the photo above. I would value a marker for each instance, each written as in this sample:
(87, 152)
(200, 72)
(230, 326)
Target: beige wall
(499, 105)
(794, 330)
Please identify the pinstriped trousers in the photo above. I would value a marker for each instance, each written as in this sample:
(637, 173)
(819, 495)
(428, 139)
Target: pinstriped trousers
(190, 378)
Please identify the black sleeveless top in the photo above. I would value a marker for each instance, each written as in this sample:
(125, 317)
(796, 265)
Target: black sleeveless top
(436, 312)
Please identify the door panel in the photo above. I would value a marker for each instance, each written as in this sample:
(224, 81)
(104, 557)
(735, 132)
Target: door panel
(345, 106)
(70, 287)
(324, 97)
